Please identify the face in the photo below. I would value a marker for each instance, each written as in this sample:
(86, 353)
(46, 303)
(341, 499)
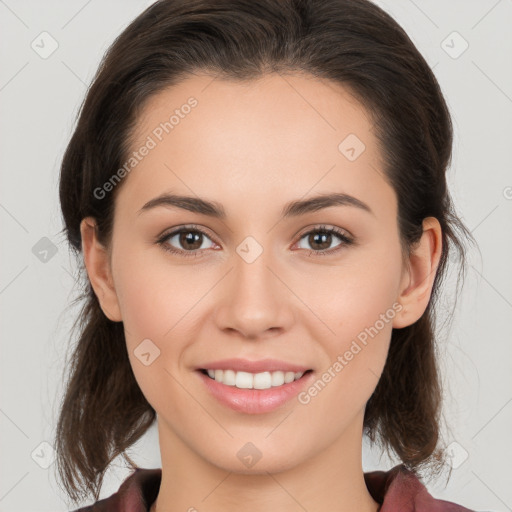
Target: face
(316, 289)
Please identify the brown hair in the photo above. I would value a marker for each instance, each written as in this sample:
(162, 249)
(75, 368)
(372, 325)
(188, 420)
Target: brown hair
(352, 42)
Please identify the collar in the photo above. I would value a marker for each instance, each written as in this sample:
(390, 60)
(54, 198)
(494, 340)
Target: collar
(395, 489)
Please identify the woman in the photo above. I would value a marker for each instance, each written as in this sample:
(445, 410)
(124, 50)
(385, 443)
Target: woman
(258, 191)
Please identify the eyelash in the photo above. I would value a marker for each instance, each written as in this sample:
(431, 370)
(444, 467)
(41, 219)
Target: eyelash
(346, 241)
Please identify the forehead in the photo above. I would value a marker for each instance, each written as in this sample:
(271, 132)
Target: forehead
(286, 135)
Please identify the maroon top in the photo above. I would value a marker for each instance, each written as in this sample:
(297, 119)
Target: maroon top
(395, 490)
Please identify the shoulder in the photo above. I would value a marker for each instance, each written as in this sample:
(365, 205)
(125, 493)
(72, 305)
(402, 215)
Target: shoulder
(396, 489)
(400, 489)
(137, 493)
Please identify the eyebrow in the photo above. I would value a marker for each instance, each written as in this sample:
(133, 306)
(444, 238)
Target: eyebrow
(291, 209)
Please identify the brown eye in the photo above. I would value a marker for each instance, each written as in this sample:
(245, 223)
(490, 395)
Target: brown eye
(190, 240)
(185, 241)
(320, 240)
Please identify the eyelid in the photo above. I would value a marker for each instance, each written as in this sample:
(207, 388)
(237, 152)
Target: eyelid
(326, 227)
(161, 239)
(347, 239)
(344, 235)
(191, 227)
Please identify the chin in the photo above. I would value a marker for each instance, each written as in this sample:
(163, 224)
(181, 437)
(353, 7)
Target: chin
(248, 458)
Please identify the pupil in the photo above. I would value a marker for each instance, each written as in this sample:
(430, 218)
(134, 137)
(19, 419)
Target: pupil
(324, 240)
(188, 238)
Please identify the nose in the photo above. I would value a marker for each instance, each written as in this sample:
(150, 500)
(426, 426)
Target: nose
(255, 301)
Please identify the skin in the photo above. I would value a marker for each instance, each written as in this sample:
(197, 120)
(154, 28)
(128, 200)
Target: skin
(253, 147)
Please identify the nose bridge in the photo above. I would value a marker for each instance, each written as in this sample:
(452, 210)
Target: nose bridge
(252, 264)
(256, 299)
(251, 273)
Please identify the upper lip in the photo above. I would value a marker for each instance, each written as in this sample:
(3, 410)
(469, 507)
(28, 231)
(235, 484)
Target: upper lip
(245, 365)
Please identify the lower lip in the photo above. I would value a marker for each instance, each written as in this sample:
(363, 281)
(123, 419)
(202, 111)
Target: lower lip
(255, 401)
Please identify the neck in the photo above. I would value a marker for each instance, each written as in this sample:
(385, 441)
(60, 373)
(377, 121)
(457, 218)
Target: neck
(331, 480)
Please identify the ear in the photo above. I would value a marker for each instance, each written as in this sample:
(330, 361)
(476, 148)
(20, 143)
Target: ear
(418, 278)
(97, 262)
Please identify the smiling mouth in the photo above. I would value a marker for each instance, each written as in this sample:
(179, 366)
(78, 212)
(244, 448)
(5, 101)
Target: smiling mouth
(247, 380)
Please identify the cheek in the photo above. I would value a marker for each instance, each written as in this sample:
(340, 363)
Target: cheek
(151, 310)
(155, 320)
(152, 295)
(356, 356)
(356, 306)
(350, 296)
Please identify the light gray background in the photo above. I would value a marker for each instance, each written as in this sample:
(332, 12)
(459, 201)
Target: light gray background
(39, 99)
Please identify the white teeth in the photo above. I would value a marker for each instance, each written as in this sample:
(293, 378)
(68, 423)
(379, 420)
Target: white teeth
(262, 380)
(289, 377)
(246, 380)
(227, 376)
(277, 378)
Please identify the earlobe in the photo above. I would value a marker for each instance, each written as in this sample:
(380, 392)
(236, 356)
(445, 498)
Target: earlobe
(96, 260)
(418, 280)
